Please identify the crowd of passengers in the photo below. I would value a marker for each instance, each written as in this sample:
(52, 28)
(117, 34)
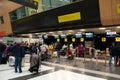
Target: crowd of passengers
(41, 51)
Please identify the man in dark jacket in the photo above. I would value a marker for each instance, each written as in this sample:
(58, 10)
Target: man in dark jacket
(18, 52)
(118, 53)
(58, 48)
(2, 49)
(113, 53)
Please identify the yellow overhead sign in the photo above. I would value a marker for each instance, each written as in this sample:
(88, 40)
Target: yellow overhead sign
(118, 8)
(81, 39)
(69, 17)
(103, 39)
(117, 39)
(73, 39)
(58, 40)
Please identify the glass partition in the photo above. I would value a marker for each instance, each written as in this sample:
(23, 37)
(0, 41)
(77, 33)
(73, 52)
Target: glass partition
(43, 5)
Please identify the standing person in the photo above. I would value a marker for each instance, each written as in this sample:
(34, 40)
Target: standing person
(6, 52)
(2, 49)
(50, 47)
(34, 62)
(58, 48)
(80, 50)
(71, 47)
(113, 53)
(44, 51)
(93, 52)
(18, 52)
(118, 54)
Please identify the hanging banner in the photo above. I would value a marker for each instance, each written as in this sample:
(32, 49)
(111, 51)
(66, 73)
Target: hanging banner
(28, 3)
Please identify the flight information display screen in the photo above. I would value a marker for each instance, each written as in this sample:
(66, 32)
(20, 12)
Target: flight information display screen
(89, 35)
(78, 35)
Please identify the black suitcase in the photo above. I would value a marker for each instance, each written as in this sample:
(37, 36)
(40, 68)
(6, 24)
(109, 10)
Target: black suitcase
(44, 56)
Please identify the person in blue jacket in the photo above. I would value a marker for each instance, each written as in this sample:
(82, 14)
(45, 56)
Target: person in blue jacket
(113, 53)
(18, 53)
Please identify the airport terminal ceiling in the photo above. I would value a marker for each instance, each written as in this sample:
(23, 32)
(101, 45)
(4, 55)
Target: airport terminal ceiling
(101, 30)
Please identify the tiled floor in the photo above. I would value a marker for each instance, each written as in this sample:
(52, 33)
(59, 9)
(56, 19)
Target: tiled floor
(65, 70)
(66, 75)
(9, 72)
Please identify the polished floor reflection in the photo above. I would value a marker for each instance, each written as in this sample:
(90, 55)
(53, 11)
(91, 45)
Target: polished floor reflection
(64, 70)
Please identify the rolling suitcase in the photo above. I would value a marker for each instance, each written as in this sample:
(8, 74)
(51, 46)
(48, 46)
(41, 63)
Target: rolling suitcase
(27, 58)
(11, 61)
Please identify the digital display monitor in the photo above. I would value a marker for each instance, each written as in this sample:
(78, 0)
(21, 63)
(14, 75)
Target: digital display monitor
(89, 35)
(111, 33)
(63, 36)
(78, 35)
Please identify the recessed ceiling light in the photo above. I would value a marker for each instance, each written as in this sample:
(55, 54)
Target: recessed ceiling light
(60, 31)
(107, 30)
(102, 28)
(43, 33)
(37, 33)
(78, 32)
(70, 30)
(118, 27)
(69, 33)
(82, 30)
(51, 32)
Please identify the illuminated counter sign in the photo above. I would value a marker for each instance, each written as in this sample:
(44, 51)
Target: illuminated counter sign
(117, 39)
(81, 39)
(73, 39)
(69, 17)
(118, 8)
(103, 39)
(66, 40)
(58, 40)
